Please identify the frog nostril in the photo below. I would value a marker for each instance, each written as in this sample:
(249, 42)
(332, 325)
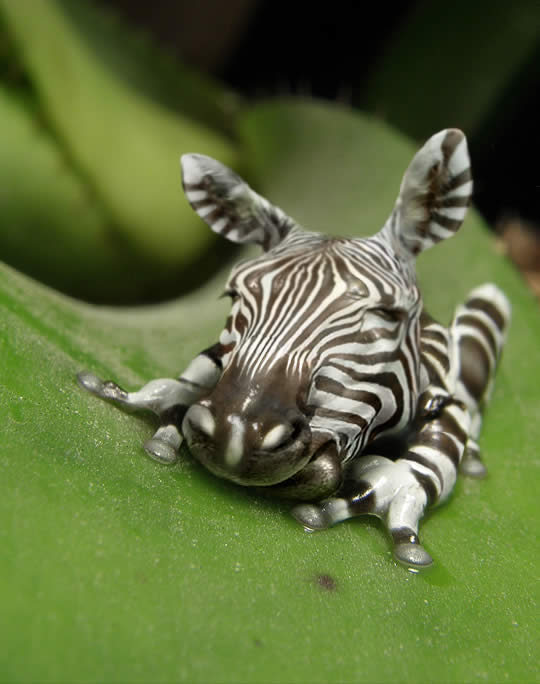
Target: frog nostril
(200, 419)
(299, 425)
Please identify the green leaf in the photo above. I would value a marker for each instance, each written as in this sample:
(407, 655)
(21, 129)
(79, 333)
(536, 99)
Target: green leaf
(115, 568)
(148, 67)
(52, 225)
(122, 144)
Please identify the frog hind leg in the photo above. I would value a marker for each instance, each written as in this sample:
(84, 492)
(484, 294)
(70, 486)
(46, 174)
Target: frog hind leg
(477, 336)
(398, 491)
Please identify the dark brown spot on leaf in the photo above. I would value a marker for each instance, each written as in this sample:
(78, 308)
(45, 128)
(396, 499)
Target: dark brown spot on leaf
(326, 582)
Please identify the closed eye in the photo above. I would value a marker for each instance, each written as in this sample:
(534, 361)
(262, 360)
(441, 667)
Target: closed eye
(232, 293)
(391, 315)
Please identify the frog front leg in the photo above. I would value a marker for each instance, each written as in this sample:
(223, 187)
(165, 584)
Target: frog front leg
(166, 397)
(398, 492)
(447, 427)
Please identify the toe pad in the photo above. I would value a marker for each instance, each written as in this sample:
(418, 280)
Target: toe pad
(310, 516)
(413, 555)
(160, 451)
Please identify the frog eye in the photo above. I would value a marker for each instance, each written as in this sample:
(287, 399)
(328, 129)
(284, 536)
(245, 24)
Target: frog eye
(358, 291)
(231, 293)
(390, 315)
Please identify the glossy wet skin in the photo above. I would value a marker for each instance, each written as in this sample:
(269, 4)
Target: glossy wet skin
(249, 435)
(324, 352)
(254, 427)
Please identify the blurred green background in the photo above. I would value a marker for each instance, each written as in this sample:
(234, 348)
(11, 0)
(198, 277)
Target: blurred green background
(99, 99)
(114, 568)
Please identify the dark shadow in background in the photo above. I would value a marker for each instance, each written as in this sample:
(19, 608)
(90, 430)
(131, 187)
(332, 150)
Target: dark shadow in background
(274, 47)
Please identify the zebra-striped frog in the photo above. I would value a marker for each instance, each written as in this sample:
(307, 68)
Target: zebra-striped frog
(330, 384)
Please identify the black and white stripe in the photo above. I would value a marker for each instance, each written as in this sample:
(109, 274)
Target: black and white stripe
(228, 205)
(328, 337)
(346, 314)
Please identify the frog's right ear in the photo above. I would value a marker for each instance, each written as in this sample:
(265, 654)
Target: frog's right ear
(434, 195)
(229, 206)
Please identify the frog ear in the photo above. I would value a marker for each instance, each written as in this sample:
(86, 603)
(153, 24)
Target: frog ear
(434, 195)
(229, 206)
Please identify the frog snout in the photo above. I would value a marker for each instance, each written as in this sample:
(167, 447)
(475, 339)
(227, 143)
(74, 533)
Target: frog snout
(261, 451)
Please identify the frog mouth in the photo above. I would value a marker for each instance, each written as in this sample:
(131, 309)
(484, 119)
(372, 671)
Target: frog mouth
(255, 467)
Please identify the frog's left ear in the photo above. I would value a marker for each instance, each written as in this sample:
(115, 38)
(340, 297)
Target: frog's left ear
(434, 195)
(229, 206)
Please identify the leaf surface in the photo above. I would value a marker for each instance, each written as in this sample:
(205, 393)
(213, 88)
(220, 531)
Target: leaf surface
(115, 568)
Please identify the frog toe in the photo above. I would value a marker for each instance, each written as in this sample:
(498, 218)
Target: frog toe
(311, 516)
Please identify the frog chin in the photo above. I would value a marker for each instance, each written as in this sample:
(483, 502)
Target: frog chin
(255, 468)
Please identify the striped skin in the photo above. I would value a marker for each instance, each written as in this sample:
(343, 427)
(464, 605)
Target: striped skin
(342, 321)
(434, 196)
(462, 361)
(229, 206)
(327, 353)
(458, 367)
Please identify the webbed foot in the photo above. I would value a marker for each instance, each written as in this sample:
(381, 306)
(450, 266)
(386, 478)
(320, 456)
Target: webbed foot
(160, 451)
(311, 516)
(106, 389)
(408, 550)
(158, 396)
(377, 486)
(164, 445)
(471, 464)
